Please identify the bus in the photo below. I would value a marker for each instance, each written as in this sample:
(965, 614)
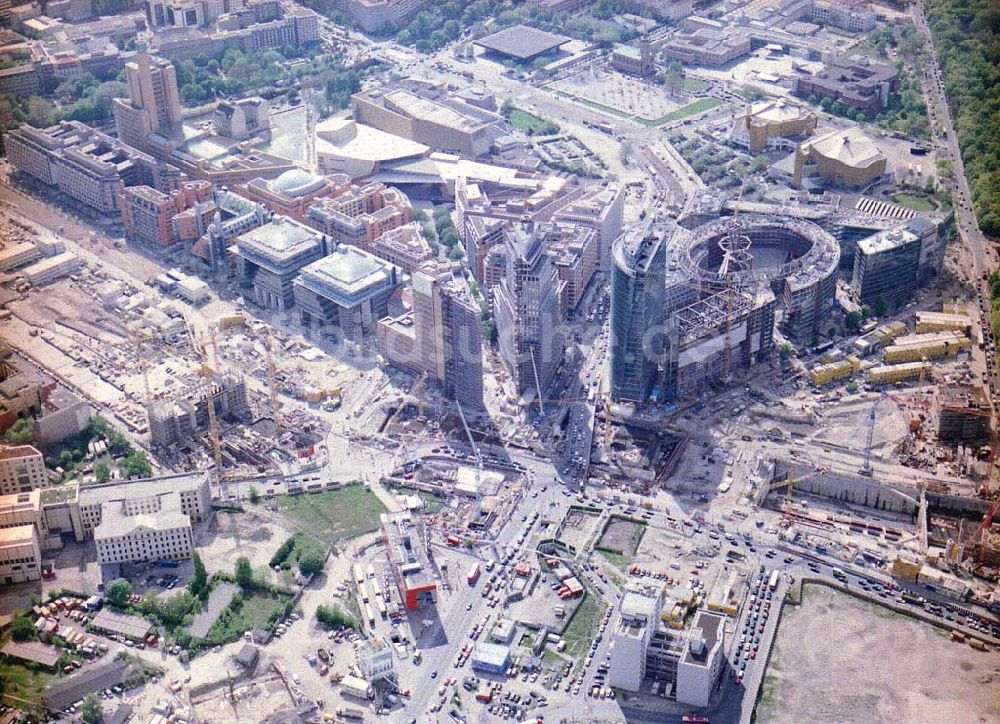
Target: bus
(773, 583)
(369, 615)
(473, 574)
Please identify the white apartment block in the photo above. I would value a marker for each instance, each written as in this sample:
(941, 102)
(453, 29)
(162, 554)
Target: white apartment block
(142, 496)
(22, 469)
(146, 530)
(637, 620)
(20, 555)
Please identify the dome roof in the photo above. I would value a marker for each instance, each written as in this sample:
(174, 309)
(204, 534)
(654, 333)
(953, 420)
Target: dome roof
(296, 182)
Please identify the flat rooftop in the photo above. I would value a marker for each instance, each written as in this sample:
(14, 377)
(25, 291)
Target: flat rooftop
(522, 42)
(707, 627)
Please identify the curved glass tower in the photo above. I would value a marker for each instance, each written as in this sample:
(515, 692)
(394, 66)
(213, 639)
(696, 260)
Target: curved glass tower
(638, 276)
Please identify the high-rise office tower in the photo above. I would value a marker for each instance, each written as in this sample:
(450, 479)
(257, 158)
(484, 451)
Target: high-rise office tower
(638, 336)
(153, 105)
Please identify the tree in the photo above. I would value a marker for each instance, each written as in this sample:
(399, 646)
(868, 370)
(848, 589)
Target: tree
(311, 562)
(91, 710)
(852, 321)
(456, 253)
(785, 349)
(880, 307)
(199, 579)
(21, 629)
(118, 592)
(333, 617)
(136, 465)
(851, 387)
(244, 573)
(22, 432)
(102, 473)
(254, 495)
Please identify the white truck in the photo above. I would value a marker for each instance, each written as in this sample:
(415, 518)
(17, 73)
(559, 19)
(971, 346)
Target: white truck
(356, 687)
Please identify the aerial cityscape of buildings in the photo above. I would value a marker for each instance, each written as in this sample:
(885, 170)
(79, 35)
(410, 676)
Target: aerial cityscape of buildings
(383, 360)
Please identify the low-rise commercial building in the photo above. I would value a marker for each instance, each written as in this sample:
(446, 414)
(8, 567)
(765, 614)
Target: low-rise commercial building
(634, 60)
(142, 496)
(373, 15)
(853, 16)
(406, 547)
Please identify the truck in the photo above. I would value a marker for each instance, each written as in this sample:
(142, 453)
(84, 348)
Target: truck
(356, 687)
(453, 541)
(473, 574)
(349, 712)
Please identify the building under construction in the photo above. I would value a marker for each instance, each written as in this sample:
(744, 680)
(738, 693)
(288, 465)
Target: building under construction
(407, 547)
(175, 420)
(795, 260)
(964, 416)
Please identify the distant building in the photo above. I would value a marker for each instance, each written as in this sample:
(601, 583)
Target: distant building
(840, 157)
(22, 469)
(291, 193)
(271, 257)
(634, 60)
(372, 15)
(886, 268)
(707, 46)
(768, 120)
(672, 10)
(574, 250)
(135, 497)
(153, 104)
(521, 43)
(854, 16)
(701, 663)
(430, 115)
(599, 208)
(242, 119)
(346, 291)
(526, 309)
(636, 622)
(63, 414)
(864, 87)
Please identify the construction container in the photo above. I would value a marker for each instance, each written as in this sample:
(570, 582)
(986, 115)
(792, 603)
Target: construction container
(941, 322)
(885, 333)
(915, 347)
(824, 374)
(890, 374)
(955, 307)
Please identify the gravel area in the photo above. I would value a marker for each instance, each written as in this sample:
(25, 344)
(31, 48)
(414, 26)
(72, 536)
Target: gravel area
(840, 659)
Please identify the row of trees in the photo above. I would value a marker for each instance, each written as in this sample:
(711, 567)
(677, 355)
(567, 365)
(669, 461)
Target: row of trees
(967, 39)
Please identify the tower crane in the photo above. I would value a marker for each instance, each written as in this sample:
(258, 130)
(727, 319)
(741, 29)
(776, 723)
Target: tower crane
(475, 450)
(208, 373)
(866, 468)
(272, 384)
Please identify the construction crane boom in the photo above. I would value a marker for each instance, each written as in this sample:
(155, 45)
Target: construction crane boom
(475, 450)
(208, 372)
(866, 468)
(272, 384)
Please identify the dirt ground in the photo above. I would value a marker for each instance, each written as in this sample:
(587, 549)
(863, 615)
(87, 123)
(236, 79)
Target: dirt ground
(838, 659)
